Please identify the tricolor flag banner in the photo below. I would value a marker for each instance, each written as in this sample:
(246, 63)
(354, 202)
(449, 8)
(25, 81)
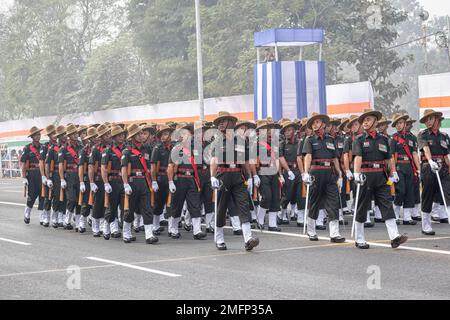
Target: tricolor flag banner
(346, 99)
(289, 89)
(434, 93)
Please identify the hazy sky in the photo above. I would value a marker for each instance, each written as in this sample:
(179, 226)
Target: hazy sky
(434, 7)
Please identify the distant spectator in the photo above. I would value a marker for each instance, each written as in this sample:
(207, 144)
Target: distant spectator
(269, 56)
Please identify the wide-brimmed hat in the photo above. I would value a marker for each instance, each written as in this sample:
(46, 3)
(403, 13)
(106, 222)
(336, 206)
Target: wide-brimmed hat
(383, 120)
(288, 123)
(81, 128)
(151, 127)
(248, 123)
(185, 125)
(428, 113)
(60, 131)
(102, 130)
(315, 116)
(353, 118)
(267, 124)
(133, 130)
(335, 121)
(410, 120)
(343, 124)
(71, 129)
(397, 117)
(91, 133)
(163, 128)
(116, 130)
(370, 112)
(34, 130)
(222, 116)
(50, 129)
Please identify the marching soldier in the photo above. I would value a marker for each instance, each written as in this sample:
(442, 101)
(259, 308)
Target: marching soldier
(32, 178)
(434, 151)
(112, 179)
(46, 180)
(186, 187)
(407, 165)
(206, 192)
(321, 162)
(83, 175)
(52, 170)
(226, 176)
(288, 162)
(416, 212)
(95, 178)
(159, 165)
(68, 173)
(372, 155)
(268, 173)
(137, 185)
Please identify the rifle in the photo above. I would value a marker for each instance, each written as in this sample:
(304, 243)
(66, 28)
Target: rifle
(108, 170)
(52, 168)
(126, 202)
(27, 167)
(61, 193)
(91, 194)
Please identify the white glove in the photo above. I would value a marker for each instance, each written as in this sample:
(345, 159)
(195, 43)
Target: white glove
(250, 186)
(391, 180)
(282, 180)
(339, 183)
(25, 182)
(63, 184)
(291, 175)
(395, 177)
(256, 180)
(155, 186)
(94, 187)
(128, 189)
(349, 175)
(172, 187)
(434, 166)
(108, 188)
(215, 184)
(306, 177)
(44, 180)
(358, 178)
(82, 187)
(50, 183)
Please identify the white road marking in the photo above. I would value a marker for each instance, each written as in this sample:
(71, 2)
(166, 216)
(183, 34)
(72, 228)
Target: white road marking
(15, 204)
(16, 242)
(127, 265)
(169, 260)
(402, 247)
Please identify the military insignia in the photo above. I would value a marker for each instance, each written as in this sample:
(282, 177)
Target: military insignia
(444, 144)
(382, 148)
(146, 156)
(366, 144)
(430, 142)
(330, 146)
(411, 144)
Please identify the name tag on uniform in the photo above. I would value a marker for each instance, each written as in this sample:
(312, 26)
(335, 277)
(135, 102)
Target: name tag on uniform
(330, 146)
(382, 148)
(340, 145)
(444, 144)
(146, 156)
(366, 144)
(430, 142)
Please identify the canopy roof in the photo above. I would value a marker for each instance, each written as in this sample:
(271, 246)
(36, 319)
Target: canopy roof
(288, 37)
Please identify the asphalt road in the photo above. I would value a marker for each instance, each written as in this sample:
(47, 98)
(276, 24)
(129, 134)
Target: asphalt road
(37, 264)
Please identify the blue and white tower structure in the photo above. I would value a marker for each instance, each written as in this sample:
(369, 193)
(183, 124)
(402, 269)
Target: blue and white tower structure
(289, 89)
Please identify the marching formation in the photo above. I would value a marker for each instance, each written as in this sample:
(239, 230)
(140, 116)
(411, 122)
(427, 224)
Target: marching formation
(124, 179)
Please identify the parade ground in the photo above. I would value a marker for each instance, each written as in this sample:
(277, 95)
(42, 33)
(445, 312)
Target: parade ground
(47, 263)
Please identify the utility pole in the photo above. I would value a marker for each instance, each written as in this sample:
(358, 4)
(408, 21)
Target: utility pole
(199, 60)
